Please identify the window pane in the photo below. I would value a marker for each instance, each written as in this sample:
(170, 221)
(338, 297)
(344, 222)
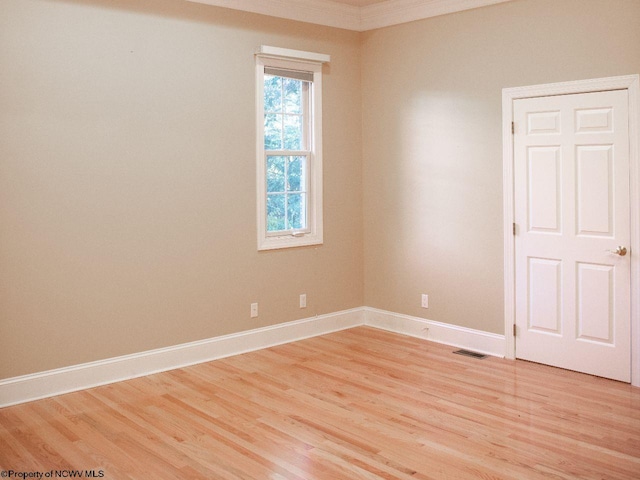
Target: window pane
(275, 174)
(297, 211)
(272, 132)
(272, 93)
(292, 95)
(296, 174)
(275, 212)
(293, 132)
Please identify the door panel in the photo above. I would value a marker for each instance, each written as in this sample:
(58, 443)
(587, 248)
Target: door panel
(596, 294)
(544, 189)
(595, 189)
(545, 296)
(571, 184)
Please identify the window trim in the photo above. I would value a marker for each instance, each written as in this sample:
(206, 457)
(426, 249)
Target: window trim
(274, 57)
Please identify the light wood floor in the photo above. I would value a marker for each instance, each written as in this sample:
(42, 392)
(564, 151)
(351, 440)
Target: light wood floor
(358, 404)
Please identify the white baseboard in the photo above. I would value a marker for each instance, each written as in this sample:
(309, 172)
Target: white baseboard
(467, 338)
(88, 375)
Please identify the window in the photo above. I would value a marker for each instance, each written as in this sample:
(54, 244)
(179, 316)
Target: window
(289, 147)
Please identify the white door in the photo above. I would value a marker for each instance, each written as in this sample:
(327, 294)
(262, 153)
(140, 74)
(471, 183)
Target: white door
(571, 183)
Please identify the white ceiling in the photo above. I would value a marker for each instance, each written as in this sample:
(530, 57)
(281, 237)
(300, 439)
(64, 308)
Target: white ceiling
(358, 15)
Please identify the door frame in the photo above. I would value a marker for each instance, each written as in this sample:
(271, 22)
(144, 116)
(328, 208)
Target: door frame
(631, 83)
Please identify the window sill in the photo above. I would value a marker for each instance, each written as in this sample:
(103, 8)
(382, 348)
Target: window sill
(289, 241)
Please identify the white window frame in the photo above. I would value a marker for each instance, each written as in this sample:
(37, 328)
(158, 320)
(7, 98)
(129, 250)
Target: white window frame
(286, 59)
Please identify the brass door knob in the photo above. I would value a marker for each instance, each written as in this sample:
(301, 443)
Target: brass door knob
(622, 251)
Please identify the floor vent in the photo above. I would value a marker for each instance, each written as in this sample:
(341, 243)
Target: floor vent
(469, 353)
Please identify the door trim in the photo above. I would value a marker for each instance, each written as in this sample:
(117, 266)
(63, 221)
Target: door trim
(631, 83)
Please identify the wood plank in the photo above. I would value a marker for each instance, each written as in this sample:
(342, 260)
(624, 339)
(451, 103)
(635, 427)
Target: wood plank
(357, 404)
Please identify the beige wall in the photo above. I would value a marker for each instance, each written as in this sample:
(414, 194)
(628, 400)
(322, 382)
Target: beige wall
(127, 169)
(127, 179)
(432, 156)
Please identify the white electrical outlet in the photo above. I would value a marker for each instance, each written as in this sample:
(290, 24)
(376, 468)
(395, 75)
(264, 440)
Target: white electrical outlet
(425, 300)
(254, 310)
(303, 300)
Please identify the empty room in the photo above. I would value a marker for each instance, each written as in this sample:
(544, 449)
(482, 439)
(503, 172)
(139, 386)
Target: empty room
(320, 239)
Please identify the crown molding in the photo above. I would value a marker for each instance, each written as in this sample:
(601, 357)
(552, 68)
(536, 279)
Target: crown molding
(349, 17)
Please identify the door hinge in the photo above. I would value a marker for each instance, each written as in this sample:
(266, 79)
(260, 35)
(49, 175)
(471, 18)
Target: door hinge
(513, 128)
(514, 228)
(514, 330)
